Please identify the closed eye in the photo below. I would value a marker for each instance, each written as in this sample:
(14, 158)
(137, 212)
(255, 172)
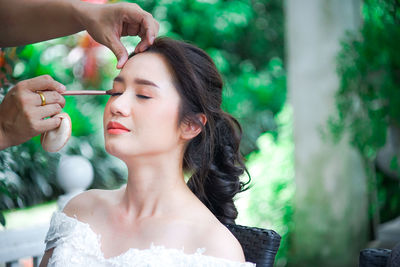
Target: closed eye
(143, 96)
(139, 96)
(116, 94)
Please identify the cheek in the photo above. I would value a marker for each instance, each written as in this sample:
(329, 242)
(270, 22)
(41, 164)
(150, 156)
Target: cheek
(106, 118)
(106, 112)
(169, 116)
(164, 124)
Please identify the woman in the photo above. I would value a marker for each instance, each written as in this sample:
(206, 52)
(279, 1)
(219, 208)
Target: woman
(163, 120)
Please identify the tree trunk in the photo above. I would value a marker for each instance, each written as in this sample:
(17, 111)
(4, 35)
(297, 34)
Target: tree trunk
(330, 219)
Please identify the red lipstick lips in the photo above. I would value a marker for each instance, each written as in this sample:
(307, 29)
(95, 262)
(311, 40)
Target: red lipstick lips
(116, 128)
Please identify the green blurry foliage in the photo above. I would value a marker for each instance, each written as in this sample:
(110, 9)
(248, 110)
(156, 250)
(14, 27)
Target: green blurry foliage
(388, 197)
(244, 38)
(368, 99)
(270, 199)
(27, 172)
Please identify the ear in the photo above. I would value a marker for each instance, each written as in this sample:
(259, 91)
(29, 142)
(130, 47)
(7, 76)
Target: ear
(190, 129)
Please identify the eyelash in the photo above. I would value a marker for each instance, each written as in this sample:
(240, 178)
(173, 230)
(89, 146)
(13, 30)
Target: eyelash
(143, 96)
(116, 94)
(140, 96)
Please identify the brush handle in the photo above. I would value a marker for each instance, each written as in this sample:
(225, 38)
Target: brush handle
(86, 92)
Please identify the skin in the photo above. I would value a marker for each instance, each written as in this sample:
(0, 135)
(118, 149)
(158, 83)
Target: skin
(155, 206)
(21, 116)
(21, 113)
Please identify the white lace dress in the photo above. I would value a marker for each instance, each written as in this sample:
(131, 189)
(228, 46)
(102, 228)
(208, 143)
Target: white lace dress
(77, 245)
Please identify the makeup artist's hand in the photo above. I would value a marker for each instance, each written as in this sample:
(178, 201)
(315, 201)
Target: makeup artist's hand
(108, 23)
(19, 23)
(23, 110)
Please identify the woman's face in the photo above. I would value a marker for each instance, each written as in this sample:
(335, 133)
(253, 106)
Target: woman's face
(143, 119)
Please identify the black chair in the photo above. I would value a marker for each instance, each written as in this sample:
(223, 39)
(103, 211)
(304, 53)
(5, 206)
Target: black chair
(259, 245)
(394, 259)
(379, 257)
(374, 257)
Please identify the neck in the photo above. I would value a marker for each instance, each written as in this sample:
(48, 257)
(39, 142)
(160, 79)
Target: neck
(155, 185)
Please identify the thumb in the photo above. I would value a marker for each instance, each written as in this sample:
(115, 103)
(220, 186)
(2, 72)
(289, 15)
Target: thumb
(119, 51)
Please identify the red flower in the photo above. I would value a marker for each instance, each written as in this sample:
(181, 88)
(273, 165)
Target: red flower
(2, 59)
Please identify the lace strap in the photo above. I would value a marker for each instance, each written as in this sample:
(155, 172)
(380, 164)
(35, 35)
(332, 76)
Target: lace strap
(60, 227)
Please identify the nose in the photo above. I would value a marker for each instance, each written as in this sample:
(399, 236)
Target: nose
(120, 106)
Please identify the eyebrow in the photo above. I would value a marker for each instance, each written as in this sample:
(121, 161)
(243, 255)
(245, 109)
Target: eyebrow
(137, 81)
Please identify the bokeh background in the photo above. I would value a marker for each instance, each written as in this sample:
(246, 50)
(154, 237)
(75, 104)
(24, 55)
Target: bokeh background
(260, 54)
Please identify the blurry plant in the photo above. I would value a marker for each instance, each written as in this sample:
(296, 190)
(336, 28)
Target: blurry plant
(245, 39)
(368, 99)
(269, 202)
(27, 172)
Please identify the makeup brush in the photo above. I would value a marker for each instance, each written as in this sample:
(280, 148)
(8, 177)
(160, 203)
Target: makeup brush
(87, 92)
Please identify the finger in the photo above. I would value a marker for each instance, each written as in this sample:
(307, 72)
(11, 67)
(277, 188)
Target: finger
(149, 28)
(142, 46)
(43, 83)
(139, 48)
(48, 111)
(146, 36)
(51, 97)
(131, 29)
(49, 124)
(157, 28)
(119, 51)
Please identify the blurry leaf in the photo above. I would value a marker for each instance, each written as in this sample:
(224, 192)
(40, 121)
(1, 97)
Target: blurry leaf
(2, 219)
(368, 99)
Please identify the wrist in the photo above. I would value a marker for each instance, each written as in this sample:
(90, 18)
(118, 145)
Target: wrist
(76, 9)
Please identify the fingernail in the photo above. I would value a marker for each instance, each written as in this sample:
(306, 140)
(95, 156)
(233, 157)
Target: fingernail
(152, 39)
(62, 87)
(119, 64)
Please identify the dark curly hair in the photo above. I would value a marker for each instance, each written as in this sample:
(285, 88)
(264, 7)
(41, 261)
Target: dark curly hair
(213, 157)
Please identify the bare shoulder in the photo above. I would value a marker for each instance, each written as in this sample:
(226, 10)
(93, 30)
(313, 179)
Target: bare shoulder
(209, 233)
(81, 204)
(222, 243)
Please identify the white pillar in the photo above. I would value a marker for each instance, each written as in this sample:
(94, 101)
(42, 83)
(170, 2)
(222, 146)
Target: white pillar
(330, 216)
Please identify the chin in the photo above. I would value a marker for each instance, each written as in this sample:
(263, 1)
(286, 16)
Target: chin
(114, 148)
(120, 149)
